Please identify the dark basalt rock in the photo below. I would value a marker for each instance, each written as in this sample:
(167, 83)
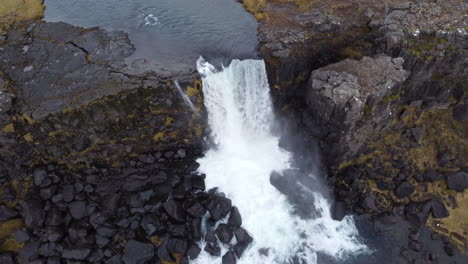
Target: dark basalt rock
(174, 210)
(458, 181)
(404, 190)
(438, 209)
(196, 210)
(39, 176)
(224, 233)
(213, 249)
(6, 213)
(33, 213)
(235, 219)
(432, 176)
(175, 245)
(137, 252)
(339, 210)
(21, 236)
(219, 207)
(193, 251)
(78, 209)
(242, 236)
(229, 258)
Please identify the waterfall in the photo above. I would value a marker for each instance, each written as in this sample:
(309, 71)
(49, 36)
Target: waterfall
(185, 97)
(240, 116)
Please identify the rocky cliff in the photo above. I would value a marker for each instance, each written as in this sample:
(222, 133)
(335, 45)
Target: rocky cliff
(382, 86)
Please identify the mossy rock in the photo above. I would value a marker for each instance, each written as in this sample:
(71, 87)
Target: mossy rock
(16, 11)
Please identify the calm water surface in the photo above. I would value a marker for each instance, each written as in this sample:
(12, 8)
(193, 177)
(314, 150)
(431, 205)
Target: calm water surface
(168, 33)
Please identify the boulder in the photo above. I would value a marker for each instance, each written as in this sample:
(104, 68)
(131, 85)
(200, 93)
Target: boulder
(39, 175)
(432, 176)
(458, 181)
(6, 213)
(78, 209)
(174, 210)
(404, 190)
(219, 207)
(224, 233)
(21, 236)
(33, 213)
(213, 249)
(438, 209)
(137, 252)
(178, 246)
(229, 258)
(339, 210)
(193, 251)
(68, 193)
(235, 218)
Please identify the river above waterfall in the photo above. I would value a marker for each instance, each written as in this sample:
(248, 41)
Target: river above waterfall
(168, 34)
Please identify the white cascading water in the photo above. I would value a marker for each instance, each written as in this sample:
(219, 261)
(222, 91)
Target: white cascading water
(240, 117)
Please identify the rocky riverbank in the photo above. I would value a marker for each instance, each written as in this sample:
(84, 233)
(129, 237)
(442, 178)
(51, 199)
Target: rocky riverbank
(382, 87)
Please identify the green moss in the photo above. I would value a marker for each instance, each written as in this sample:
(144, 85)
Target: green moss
(344, 165)
(391, 98)
(367, 109)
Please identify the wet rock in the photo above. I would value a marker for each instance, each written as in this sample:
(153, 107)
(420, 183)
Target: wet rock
(193, 251)
(213, 249)
(137, 252)
(174, 210)
(78, 209)
(198, 182)
(229, 258)
(33, 213)
(6, 213)
(196, 210)
(404, 190)
(235, 218)
(438, 209)
(224, 233)
(175, 245)
(195, 228)
(242, 236)
(458, 181)
(76, 253)
(163, 253)
(219, 207)
(177, 231)
(339, 210)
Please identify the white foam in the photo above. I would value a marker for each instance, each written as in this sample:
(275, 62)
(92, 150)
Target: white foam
(240, 117)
